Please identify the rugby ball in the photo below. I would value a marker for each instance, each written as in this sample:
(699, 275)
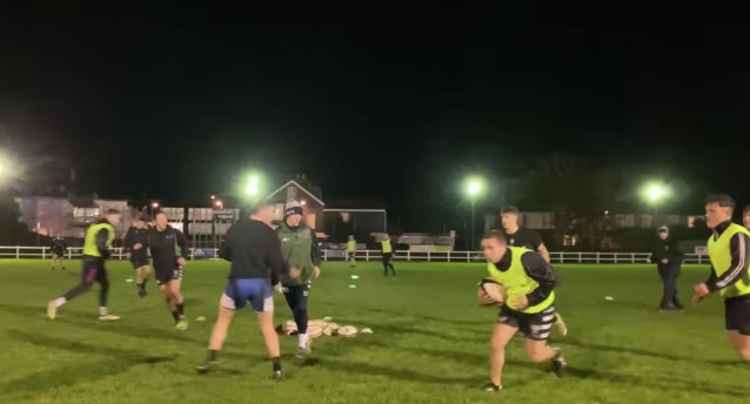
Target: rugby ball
(490, 293)
(347, 331)
(314, 331)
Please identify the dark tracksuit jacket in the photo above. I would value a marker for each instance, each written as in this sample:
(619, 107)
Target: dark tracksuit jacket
(254, 250)
(134, 236)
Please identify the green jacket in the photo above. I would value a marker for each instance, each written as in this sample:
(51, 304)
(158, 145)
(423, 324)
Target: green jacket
(300, 250)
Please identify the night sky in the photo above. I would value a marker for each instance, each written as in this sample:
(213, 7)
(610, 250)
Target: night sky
(175, 105)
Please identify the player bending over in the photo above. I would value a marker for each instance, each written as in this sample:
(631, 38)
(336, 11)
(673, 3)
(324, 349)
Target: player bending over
(530, 305)
(254, 251)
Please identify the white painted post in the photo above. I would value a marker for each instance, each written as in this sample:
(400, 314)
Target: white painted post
(597, 257)
(408, 255)
(18, 252)
(562, 257)
(367, 255)
(468, 256)
(192, 253)
(428, 256)
(632, 258)
(580, 258)
(44, 253)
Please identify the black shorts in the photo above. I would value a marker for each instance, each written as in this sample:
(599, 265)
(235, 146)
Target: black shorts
(737, 314)
(163, 277)
(537, 326)
(139, 262)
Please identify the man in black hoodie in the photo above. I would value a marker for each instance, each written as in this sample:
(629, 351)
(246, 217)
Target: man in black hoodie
(667, 256)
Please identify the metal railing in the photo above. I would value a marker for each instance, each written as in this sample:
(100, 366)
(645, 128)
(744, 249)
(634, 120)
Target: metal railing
(566, 257)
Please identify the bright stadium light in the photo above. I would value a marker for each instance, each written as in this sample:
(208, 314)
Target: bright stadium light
(219, 204)
(252, 186)
(473, 187)
(654, 193)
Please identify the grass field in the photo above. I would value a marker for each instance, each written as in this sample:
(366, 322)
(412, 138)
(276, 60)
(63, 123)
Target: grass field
(429, 345)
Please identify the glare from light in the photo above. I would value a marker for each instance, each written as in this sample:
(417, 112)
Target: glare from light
(155, 205)
(252, 188)
(655, 192)
(474, 187)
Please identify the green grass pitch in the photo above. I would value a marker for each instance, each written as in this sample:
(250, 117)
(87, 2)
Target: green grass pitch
(429, 346)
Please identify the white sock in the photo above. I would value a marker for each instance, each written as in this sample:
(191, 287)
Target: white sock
(60, 301)
(302, 340)
(103, 311)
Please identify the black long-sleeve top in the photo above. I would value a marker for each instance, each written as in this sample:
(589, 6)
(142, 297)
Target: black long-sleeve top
(739, 265)
(133, 237)
(254, 250)
(537, 269)
(668, 249)
(166, 246)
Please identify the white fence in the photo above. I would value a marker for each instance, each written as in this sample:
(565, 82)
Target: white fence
(566, 257)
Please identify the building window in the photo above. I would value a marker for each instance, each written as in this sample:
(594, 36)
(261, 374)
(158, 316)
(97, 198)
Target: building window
(85, 214)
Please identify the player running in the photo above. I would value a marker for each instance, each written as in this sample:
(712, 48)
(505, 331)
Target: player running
(300, 250)
(254, 251)
(168, 246)
(97, 242)
(727, 251)
(529, 283)
(518, 236)
(58, 253)
(136, 241)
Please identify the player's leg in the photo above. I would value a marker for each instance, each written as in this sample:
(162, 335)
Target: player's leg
(88, 275)
(675, 291)
(171, 303)
(537, 328)
(262, 302)
(142, 273)
(390, 264)
(741, 343)
(296, 298)
(175, 288)
(385, 264)
(502, 333)
(103, 279)
(227, 307)
(53, 262)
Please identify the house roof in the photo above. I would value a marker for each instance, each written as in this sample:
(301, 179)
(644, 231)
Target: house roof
(295, 183)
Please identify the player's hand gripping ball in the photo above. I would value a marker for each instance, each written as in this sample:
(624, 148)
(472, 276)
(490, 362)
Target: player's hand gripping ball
(490, 293)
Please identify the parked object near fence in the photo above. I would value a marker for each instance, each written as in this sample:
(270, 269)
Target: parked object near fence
(566, 257)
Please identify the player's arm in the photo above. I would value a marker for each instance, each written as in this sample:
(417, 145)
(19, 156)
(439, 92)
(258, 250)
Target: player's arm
(101, 242)
(317, 256)
(183, 243)
(275, 260)
(538, 269)
(225, 251)
(738, 267)
(676, 254)
(128, 242)
(542, 250)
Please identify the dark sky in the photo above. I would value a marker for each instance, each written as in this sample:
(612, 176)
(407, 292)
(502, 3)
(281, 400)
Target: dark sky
(176, 104)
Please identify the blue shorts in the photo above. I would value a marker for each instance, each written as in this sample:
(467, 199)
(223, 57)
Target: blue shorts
(257, 291)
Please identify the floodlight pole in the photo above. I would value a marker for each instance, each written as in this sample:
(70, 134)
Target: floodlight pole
(472, 224)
